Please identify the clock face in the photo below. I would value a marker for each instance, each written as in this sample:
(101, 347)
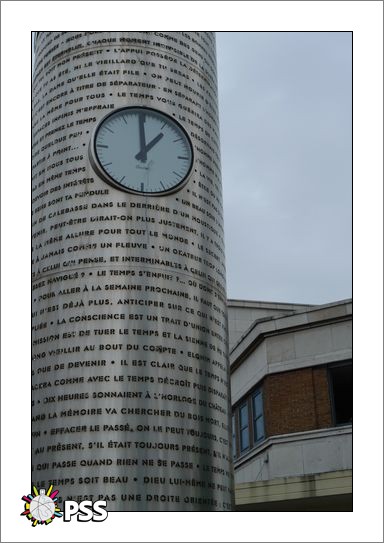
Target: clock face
(142, 150)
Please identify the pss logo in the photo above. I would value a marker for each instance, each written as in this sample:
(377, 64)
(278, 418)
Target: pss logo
(85, 511)
(41, 508)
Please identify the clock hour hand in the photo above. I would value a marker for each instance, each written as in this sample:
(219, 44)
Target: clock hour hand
(148, 147)
(142, 154)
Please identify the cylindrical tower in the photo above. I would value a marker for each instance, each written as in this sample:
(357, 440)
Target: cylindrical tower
(130, 368)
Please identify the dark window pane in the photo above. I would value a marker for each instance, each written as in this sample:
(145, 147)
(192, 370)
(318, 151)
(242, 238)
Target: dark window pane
(259, 430)
(233, 436)
(244, 415)
(258, 416)
(257, 405)
(244, 438)
(342, 390)
(244, 429)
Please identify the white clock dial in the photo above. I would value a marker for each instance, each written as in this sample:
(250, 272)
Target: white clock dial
(142, 150)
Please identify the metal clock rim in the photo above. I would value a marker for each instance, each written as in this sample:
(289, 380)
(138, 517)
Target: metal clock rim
(95, 163)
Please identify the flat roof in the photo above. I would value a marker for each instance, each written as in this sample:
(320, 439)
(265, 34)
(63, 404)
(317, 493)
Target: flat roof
(257, 304)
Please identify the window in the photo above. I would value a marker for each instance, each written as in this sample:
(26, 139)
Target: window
(258, 416)
(234, 436)
(244, 427)
(341, 388)
(248, 423)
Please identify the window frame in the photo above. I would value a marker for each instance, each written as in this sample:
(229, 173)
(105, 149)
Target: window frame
(247, 401)
(255, 438)
(234, 436)
(243, 450)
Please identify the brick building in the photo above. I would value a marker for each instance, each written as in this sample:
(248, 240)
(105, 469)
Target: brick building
(291, 381)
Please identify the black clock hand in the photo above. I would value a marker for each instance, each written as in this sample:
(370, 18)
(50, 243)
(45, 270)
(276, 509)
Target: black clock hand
(153, 142)
(142, 154)
(148, 147)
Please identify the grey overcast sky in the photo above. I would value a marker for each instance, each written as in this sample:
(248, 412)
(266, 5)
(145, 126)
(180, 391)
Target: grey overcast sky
(286, 128)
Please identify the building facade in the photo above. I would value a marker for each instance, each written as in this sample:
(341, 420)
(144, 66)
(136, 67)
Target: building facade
(291, 381)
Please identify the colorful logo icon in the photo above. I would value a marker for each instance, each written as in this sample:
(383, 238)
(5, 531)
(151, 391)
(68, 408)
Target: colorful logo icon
(40, 507)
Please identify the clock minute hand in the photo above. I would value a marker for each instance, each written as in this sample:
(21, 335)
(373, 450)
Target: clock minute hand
(149, 146)
(142, 154)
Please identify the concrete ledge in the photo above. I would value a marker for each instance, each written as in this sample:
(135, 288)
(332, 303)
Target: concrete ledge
(284, 489)
(293, 437)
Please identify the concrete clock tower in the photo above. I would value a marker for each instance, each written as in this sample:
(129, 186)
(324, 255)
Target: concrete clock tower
(129, 365)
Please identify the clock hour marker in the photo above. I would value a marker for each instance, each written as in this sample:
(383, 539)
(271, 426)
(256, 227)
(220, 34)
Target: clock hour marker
(142, 187)
(100, 145)
(108, 164)
(111, 131)
(125, 120)
(163, 126)
(180, 139)
(183, 157)
(177, 174)
(161, 183)
(122, 179)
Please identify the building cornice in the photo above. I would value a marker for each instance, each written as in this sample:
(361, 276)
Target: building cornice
(272, 326)
(322, 433)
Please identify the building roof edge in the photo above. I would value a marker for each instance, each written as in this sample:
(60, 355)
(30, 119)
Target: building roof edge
(281, 323)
